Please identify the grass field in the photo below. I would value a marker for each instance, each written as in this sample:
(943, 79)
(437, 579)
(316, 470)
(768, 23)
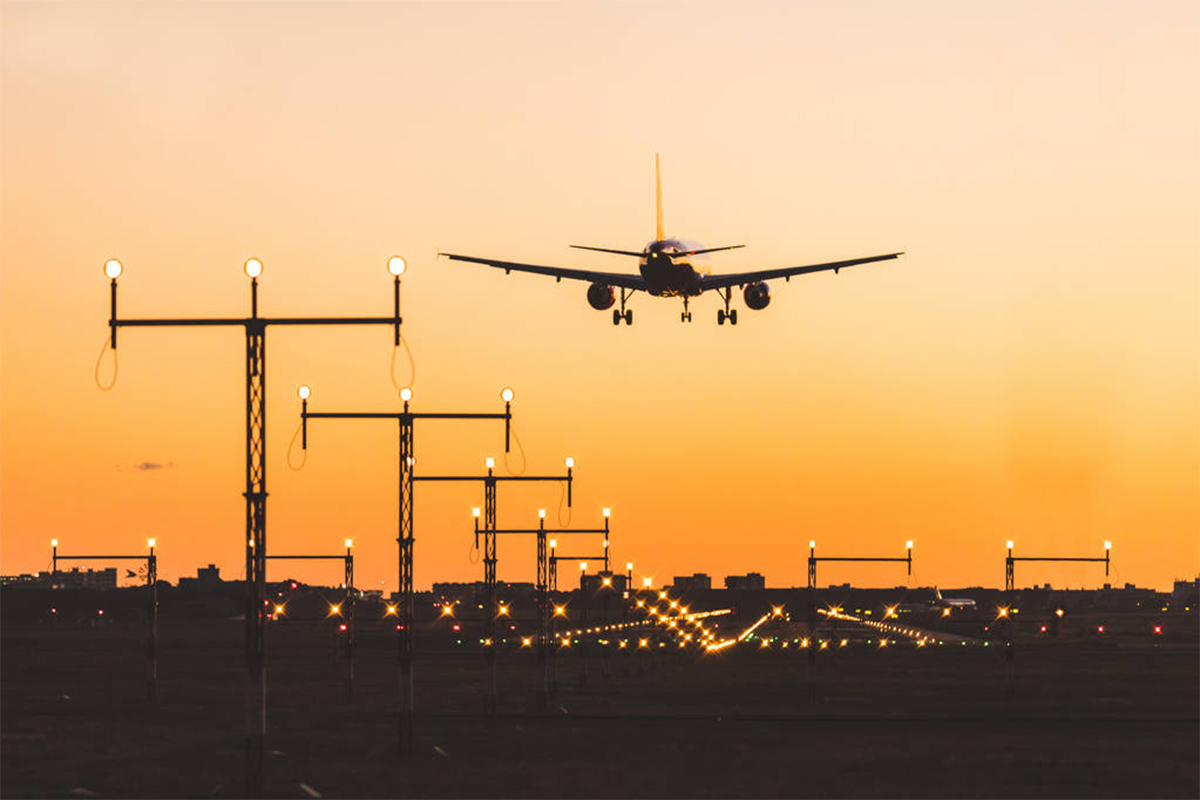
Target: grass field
(1087, 719)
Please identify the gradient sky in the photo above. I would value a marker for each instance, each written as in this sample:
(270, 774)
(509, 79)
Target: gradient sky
(1029, 370)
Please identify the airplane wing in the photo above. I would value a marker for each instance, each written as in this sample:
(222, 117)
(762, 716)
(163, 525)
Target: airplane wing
(741, 278)
(624, 280)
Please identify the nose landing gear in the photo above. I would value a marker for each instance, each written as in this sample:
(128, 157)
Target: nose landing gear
(727, 314)
(686, 316)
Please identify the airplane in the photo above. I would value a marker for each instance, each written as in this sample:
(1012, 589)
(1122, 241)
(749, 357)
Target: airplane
(667, 271)
(951, 602)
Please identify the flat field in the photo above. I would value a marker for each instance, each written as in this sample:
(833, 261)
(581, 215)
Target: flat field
(1086, 719)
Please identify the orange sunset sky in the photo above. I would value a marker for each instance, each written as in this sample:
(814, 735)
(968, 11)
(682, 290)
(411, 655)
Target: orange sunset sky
(1027, 371)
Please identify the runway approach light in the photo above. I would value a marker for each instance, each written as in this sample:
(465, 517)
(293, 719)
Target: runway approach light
(113, 268)
(570, 462)
(349, 543)
(506, 394)
(1058, 612)
(541, 513)
(334, 608)
(908, 544)
(54, 542)
(583, 566)
(553, 543)
(475, 513)
(629, 566)
(1108, 545)
(253, 268)
(151, 542)
(391, 611)
(396, 266)
(1009, 544)
(812, 544)
(607, 513)
(304, 392)
(560, 611)
(406, 394)
(647, 582)
(489, 462)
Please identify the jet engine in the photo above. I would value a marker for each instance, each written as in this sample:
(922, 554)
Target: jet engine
(601, 296)
(756, 295)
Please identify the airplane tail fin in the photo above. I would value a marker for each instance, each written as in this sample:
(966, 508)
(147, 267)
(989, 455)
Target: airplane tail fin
(937, 593)
(658, 198)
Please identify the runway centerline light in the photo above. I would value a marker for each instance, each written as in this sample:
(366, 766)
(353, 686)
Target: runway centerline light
(253, 267)
(113, 268)
(396, 265)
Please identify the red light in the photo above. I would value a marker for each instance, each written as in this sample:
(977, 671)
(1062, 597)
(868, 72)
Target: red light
(1099, 629)
(54, 611)
(1158, 630)
(458, 627)
(101, 612)
(293, 584)
(342, 627)
(1043, 629)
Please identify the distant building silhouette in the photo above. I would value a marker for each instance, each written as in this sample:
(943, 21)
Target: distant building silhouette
(78, 578)
(699, 582)
(207, 579)
(751, 580)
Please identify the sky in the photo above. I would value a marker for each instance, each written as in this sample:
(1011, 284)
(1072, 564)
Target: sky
(1028, 370)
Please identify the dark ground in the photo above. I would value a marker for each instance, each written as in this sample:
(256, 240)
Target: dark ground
(1090, 718)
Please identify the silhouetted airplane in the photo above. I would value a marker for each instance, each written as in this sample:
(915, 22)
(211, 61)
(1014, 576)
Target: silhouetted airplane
(666, 271)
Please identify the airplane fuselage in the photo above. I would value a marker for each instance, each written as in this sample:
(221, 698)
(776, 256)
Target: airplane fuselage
(666, 274)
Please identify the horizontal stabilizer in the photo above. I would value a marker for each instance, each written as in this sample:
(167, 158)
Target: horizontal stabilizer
(608, 250)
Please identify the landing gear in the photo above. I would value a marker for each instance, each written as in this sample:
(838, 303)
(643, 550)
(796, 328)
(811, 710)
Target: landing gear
(621, 313)
(686, 316)
(726, 314)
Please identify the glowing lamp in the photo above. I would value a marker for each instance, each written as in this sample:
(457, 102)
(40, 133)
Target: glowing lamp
(541, 513)
(812, 544)
(489, 462)
(607, 513)
(1108, 545)
(647, 582)
(54, 542)
(1009, 544)
(503, 609)
(112, 268)
(475, 513)
(406, 394)
(349, 543)
(304, 392)
(391, 611)
(629, 566)
(506, 394)
(570, 462)
(608, 581)
(560, 611)
(1058, 612)
(606, 544)
(334, 608)
(278, 609)
(151, 542)
(908, 544)
(396, 266)
(253, 268)
(553, 543)
(583, 566)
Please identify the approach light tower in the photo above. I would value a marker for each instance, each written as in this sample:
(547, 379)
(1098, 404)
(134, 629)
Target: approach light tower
(256, 608)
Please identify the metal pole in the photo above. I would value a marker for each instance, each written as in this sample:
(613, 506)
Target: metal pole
(256, 549)
(152, 585)
(351, 601)
(583, 657)
(812, 624)
(406, 583)
(545, 685)
(489, 579)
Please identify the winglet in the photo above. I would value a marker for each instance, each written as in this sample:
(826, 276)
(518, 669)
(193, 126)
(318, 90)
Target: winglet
(658, 197)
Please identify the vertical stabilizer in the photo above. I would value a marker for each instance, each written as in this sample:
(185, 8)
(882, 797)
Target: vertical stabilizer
(658, 198)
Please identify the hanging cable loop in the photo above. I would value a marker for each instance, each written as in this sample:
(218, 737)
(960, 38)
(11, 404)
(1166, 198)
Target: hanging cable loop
(412, 365)
(508, 456)
(562, 503)
(99, 359)
(291, 447)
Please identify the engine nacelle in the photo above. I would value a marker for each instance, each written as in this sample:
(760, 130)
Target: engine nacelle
(601, 296)
(757, 296)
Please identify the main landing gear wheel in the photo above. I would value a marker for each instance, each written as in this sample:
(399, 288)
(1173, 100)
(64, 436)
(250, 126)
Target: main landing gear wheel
(726, 313)
(622, 315)
(686, 316)
(733, 317)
